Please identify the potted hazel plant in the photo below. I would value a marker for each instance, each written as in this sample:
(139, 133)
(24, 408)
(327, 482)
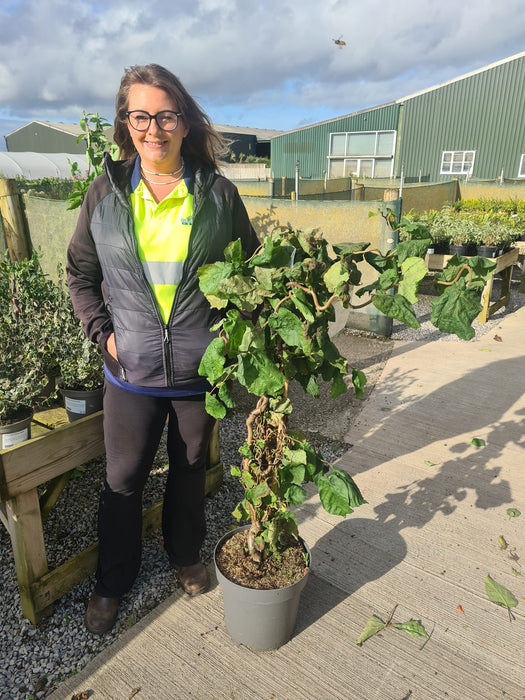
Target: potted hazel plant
(277, 307)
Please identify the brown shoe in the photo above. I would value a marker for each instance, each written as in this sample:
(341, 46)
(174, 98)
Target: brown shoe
(101, 614)
(193, 579)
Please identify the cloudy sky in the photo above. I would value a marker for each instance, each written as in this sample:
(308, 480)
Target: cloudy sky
(259, 63)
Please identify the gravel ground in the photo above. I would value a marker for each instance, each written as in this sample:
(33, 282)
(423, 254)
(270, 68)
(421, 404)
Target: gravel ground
(37, 659)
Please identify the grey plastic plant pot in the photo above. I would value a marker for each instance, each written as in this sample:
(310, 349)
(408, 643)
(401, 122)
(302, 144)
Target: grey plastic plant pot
(260, 619)
(79, 404)
(16, 432)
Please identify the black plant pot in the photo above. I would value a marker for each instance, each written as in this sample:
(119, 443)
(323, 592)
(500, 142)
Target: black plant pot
(80, 404)
(487, 251)
(458, 249)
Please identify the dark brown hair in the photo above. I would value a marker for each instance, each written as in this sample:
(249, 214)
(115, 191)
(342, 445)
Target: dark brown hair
(200, 147)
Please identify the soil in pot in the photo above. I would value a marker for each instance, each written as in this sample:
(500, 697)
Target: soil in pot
(237, 566)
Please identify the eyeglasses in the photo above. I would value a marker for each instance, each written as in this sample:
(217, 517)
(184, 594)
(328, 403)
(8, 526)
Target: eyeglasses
(140, 120)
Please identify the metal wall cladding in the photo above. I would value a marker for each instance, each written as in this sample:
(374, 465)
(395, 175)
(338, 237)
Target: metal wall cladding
(482, 112)
(310, 145)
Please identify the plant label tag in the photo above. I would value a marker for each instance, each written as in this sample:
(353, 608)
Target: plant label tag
(76, 405)
(11, 439)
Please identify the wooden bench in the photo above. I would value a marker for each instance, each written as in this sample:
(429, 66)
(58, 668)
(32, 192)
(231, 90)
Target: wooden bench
(504, 265)
(56, 448)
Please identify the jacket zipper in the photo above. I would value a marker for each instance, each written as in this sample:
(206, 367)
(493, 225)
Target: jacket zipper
(167, 355)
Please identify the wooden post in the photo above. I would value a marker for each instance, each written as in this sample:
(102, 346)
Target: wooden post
(18, 243)
(391, 194)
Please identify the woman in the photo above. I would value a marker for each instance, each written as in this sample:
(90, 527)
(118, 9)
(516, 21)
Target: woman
(146, 226)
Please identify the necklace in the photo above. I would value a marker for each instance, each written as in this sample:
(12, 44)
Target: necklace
(174, 172)
(155, 182)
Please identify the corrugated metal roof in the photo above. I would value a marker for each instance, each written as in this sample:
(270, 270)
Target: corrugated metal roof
(34, 166)
(73, 129)
(260, 134)
(462, 77)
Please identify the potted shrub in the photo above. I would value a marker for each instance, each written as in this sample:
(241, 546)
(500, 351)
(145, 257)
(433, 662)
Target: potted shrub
(81, 365)
(289, 287)
(29, 318)
(495, 236)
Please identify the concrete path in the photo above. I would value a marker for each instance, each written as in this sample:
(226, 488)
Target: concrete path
(437, 505)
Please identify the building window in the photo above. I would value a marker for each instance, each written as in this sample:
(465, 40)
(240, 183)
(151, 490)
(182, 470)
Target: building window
(521, 172)
(457, 162)
(362, 154)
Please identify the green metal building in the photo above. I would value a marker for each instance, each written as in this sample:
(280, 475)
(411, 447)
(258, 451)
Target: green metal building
(470, 127)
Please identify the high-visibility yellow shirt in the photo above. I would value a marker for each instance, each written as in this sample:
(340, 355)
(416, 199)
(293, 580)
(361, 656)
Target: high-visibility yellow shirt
(163, 232)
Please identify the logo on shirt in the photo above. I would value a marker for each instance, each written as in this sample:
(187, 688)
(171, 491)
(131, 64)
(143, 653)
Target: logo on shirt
(187, 221)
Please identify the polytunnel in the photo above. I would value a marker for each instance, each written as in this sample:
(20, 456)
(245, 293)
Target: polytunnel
(34, 166)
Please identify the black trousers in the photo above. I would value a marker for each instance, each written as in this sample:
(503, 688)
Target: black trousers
(133, 427)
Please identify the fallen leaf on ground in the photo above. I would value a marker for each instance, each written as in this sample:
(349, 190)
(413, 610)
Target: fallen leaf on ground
(461, 609)
(477, 442)
(513, 512)
(496, 337)
(502, 542)
(83, 695)
(499, 594)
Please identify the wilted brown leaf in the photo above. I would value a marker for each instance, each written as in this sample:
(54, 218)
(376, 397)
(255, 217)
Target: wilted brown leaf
(83, 695)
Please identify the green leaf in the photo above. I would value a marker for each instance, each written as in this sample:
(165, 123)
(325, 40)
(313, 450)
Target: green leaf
(412, 249)
(259, 374)
(513, 512)
(413, 627)
(235, 327)
(396, 306)
(454, 311)
(348, 249)
(338, 492)
(477, 442)
(214, 407)
(338, 387)
(388, 278)
(233, 251)
(335, 276)
(210, 277)
(240, 290)
(413, 270)
(304, 304)
(359, 382)
(499, 594)
(295, 495)
(212, 362)
(373, 626)
(289, 327)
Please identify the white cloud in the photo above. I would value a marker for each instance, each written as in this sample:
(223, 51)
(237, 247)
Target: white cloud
(274, 59)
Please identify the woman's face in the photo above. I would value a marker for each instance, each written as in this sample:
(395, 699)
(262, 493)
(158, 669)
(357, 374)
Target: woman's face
(159, 150)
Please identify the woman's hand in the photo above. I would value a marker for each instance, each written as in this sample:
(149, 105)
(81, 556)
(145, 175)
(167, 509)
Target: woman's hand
(111, 346)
